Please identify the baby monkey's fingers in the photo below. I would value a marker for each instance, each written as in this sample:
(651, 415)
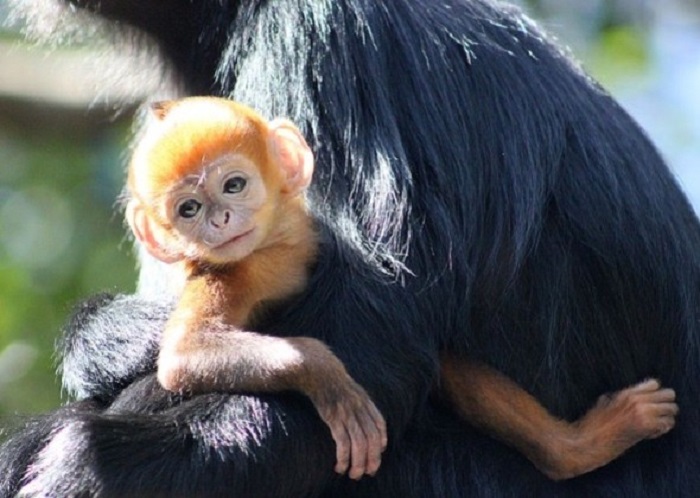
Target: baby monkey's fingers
(367, 431)
(360, 447)
(374, 428)
(351, 444)
(342, 445)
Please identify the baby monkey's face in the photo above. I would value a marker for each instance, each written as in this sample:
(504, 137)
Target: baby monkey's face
(209, 180)
(219, 215)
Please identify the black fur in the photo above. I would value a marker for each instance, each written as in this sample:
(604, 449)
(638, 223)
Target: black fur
(92, 368)
(479, 193)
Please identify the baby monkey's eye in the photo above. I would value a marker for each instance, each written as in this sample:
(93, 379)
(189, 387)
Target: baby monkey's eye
(235, 185)
(189, 208)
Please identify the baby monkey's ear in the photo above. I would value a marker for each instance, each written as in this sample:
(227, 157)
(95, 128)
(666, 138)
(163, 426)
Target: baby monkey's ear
(162, 108)
(293, 155)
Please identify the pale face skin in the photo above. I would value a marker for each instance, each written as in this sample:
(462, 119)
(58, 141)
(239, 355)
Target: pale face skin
(214, 213)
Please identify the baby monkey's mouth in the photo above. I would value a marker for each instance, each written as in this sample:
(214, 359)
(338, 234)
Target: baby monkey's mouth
(234, 239)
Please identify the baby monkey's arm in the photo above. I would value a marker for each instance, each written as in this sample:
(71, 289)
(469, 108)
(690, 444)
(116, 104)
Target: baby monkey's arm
(220, 357)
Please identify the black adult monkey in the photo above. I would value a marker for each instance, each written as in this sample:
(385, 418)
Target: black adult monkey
(480, 194)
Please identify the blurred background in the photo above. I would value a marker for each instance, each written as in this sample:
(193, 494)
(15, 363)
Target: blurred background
(63, 146)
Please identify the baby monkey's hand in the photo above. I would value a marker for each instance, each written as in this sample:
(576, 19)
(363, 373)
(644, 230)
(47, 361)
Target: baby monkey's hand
(357, 426)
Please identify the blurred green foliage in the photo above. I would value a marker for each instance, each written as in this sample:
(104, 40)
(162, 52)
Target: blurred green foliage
(60, 241)
(619, 53)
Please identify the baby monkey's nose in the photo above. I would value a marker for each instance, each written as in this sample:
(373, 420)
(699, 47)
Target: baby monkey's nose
(221, 219)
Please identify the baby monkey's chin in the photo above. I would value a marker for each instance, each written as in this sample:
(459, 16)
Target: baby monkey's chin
(234, 249)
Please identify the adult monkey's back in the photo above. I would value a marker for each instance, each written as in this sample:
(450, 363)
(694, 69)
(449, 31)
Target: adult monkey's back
(482, 196)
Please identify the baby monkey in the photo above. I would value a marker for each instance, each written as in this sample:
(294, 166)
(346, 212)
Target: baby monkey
(215, 186)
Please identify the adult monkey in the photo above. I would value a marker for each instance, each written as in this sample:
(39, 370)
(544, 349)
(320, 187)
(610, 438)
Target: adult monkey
(482, 197)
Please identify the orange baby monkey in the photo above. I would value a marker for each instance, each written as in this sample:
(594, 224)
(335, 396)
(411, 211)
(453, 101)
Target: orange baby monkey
(214, 185)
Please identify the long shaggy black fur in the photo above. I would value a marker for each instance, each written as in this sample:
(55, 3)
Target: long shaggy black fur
(478, 193)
